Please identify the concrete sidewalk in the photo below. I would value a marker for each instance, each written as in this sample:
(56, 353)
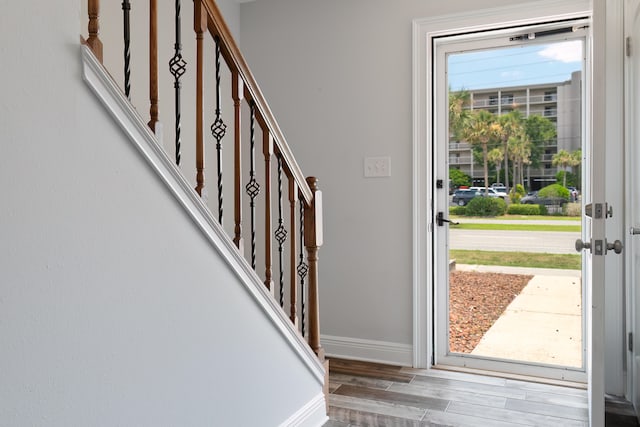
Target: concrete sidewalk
(543, 324)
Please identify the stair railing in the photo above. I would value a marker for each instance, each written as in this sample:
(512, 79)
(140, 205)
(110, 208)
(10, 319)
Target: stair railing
(304, 228)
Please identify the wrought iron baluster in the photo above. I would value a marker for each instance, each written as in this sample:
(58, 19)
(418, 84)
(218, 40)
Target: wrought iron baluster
(253, 188)
(281, 232)
(153, 64)
(219, 130)
(303, 269)
(177, 67)
(126, 11)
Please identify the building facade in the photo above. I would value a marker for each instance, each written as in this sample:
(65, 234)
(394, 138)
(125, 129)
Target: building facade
(559, 102)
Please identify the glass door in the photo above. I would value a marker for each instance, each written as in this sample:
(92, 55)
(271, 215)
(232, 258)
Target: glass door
(510, 131)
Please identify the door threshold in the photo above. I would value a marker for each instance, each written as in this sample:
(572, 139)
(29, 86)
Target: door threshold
(510, 376)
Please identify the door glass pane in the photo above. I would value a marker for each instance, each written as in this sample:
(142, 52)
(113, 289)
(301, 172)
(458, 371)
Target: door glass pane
(514, 157)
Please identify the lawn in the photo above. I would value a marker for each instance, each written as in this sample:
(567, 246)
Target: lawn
(517, 259)
(514, 227)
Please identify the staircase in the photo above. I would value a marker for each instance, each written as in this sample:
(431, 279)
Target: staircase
(259, 211)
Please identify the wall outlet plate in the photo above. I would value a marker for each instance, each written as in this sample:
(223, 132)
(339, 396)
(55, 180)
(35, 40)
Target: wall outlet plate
(376, 167)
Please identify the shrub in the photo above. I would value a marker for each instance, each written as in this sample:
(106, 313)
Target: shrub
(573, 209)
(457, 210)
(516, 193)
(486, 206)
(554, 191)
(525, 210)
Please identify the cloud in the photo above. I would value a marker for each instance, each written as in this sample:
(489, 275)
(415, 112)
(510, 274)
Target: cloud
(566, 52)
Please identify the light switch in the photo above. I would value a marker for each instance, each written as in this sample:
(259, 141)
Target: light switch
(377, 167)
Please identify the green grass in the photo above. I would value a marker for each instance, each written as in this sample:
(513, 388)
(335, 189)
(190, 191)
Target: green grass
(517, 259)
(521, 217)
(514, 227)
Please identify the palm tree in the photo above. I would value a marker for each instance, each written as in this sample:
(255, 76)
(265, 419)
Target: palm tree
(458, 112)
(511, 124)
(564, 159)
(496, 156)
(520, 152)
(482, 128)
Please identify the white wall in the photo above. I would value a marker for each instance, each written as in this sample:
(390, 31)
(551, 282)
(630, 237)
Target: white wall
(338, 76)
(114, 310)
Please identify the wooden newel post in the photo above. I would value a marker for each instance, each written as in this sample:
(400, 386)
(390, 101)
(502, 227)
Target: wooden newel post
(94, 41)
(313, 241)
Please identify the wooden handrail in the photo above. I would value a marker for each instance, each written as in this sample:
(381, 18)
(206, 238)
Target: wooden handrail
(292, 186)
(236, 62)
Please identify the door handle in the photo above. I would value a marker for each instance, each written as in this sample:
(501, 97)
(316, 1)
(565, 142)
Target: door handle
(580, 245)
(615, 246)
(634, 230)
(440, 219)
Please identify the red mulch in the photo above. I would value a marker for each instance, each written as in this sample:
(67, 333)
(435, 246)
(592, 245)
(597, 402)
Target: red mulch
(476, 301)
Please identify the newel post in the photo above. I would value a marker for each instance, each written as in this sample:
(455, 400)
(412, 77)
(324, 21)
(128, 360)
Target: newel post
(313, 241)
(94, 41)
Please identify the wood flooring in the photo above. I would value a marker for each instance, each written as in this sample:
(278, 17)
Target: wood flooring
(369, 394)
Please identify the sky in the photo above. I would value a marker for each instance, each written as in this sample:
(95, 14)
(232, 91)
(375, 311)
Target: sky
(514, 66)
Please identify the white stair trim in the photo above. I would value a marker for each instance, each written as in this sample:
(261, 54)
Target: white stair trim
(368, 350)
(111, 96)
(313, 414)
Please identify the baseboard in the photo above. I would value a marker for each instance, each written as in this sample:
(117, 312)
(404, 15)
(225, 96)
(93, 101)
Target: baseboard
(368, 350)
(313, 414)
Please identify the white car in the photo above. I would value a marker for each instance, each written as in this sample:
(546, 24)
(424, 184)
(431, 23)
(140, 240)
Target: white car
(492, 192)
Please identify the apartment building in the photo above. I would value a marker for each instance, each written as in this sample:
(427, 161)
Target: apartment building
(559, 102)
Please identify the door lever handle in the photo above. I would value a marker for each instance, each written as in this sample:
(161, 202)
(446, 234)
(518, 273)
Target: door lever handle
(440, 219)
(634, 230)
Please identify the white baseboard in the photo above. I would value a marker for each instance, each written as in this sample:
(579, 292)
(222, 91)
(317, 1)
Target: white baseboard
(368, 350)
(313, 414)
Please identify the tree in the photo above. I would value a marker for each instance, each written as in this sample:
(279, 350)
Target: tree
(482, 128)
(564, 159)
(496, 156)
(520, 152)
(458, 112)
(458, 178)
(511, 124)
(541, 131)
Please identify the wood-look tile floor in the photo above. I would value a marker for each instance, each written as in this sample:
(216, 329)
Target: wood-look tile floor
(369, 394)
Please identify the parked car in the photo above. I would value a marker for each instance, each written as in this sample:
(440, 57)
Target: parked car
(492, 192)
(462, 197)
(574, 193)
(497, 184)
(532, 198)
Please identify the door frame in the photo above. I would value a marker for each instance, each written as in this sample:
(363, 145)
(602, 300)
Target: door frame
(632, 212)
(497, 40)
(424, 32)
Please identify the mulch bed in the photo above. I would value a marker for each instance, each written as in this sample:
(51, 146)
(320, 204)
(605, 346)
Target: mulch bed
(476, 301)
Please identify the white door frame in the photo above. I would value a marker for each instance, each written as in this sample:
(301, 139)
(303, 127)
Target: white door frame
(606, 129)
(424, 31)
(469, 42)
(632, 192)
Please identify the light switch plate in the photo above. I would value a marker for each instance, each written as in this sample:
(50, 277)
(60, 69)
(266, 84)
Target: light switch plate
(377, 167)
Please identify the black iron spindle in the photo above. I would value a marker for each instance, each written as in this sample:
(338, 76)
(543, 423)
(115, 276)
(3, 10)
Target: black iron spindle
(177, 67)
(253, 188)
(218, 130)
(281, 232)
(126, 9)
(303, 269)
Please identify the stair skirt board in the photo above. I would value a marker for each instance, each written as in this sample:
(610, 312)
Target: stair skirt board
(143, 139)
(368, 350)
(313, 414)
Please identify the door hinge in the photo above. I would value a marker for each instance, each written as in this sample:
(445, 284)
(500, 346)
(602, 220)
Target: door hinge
(627, 46)
(630, 341)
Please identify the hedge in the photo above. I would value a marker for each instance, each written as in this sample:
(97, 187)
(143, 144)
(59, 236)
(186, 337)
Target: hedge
(457, 210)
(515, 209)
(486, 206)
